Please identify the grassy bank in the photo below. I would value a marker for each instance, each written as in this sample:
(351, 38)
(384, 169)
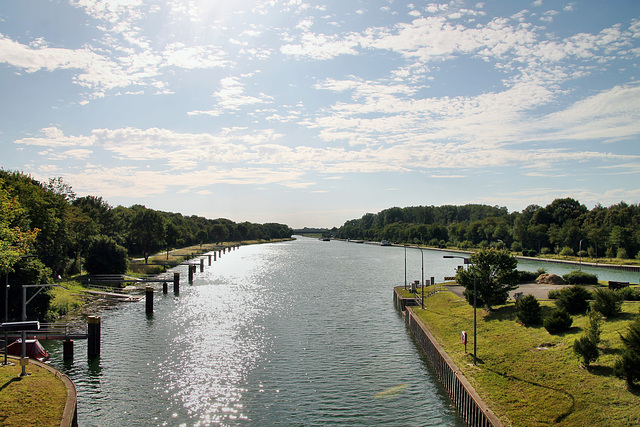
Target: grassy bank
(530, 377)
(35, 400)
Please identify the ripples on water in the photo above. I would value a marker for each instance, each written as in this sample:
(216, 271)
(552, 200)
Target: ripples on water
(297, 333)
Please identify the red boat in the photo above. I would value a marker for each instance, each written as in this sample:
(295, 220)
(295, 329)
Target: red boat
(34, 350)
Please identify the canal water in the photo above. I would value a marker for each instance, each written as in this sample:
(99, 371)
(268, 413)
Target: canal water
(297, 333)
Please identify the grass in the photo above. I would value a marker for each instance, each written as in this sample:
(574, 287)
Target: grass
(65, 299)
(35, 400)
(530, 377)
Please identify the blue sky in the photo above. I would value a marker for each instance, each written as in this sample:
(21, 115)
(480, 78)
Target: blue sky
(313, 113)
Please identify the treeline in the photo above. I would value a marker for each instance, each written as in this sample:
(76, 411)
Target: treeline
(565, 227)
(66, 226)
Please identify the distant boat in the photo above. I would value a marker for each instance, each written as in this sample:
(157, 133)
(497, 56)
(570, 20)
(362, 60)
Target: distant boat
(385, 243)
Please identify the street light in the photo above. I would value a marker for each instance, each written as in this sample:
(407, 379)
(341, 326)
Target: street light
(580, 254)
(422, 259)
(475, 300)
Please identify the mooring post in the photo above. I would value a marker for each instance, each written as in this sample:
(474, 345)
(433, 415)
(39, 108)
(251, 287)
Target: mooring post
(176, 283)
(190, 273)
(93, 338)
(201, 265)
(215, 256)
(149, 299)
(209, 255)
(165, 287)
(67, 349)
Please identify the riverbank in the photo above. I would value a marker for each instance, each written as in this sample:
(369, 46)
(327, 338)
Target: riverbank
(528, 376)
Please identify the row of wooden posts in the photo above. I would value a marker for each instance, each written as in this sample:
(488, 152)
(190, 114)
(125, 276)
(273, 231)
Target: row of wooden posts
(93, 322)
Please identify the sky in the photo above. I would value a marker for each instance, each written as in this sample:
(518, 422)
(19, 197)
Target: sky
(312, 113)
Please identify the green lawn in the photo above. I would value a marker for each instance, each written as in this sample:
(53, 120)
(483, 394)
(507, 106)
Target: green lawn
(530, 377)
(35, 400)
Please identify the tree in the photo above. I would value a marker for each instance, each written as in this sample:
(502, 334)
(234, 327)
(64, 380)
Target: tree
(14, 241)
(528, 310)
(607, 302)
(105, 256)
(628, 365)
(147, 230)
(495, 273)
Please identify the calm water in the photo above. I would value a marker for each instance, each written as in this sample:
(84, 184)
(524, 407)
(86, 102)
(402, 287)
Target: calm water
(296, 333)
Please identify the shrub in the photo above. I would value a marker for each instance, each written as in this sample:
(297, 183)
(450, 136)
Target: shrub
(586, 349)
(628, 365)
(607, 302)
(545, 251)
(516, 247)
(629, 294)
(528, 310)
(529, 252)
(573, 299)
(566, 251)
(580, 278)
(594, 326)
(558, 321)
(583, 253)
(528, 276)
(622, 253)
(553, 294)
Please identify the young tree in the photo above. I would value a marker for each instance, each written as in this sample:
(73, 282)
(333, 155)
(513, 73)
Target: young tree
(495, 273)
(628, 365)
(528, 310)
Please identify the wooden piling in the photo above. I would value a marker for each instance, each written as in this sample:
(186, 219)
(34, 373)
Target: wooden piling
(190, 273)
(209, 255)
(176, 283)
(93, 336)
(149, 300)
(201, 265)
(165, 287)
(67, 349)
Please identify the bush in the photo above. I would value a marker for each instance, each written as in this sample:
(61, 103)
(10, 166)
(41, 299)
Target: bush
(607, 302)
(105, 256)
(594, 327)
(627, 366)
(558, 321)
(566, 251)
(553, 294)
(629, 294)
(580, 278)
(573, 299)
(527, 276)
(528, 310)
(545, 251)
(622, 253)
(586, 349)
(529, 252)
(516, 247)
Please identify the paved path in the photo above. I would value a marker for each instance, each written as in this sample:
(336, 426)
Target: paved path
(538, 291)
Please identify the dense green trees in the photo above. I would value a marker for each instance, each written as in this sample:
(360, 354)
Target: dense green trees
(47, 221)
(565, 224)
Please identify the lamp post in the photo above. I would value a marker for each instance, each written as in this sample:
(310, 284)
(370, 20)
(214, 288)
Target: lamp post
(475, 300)
(422, 260)
(580, 254)
(405, 267)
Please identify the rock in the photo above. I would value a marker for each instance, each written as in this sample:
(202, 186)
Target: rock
(549, 279)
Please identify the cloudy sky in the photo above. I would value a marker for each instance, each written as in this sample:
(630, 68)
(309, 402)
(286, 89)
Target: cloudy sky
(312, 113)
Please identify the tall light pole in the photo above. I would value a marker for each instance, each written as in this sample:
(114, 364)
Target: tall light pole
(580, 254)
(475, 300)
(422, 259)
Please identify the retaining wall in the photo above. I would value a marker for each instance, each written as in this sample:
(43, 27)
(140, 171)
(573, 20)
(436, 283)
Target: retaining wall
(474, 411)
